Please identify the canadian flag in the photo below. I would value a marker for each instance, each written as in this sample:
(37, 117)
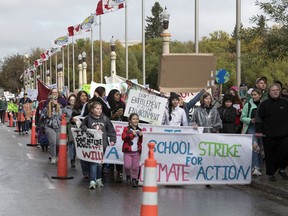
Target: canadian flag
(106, 6)
(73, 30)
(44, 56)
(38, 62)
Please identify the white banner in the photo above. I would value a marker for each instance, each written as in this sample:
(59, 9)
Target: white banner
(88, 145)
(200, 158)
(149, 107)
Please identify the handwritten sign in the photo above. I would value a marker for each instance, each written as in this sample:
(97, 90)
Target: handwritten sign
(149, 107)
(200, 158)
(88, 145)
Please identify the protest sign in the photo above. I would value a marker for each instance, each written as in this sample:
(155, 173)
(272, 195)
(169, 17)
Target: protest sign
(32, 94)
(149, 107)
(88, 145)
(28, 109)
(200, 158)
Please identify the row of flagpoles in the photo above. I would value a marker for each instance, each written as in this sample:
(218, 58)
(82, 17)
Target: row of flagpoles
(103, 6)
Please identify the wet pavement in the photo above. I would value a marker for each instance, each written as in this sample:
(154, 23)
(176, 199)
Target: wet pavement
(26, 188)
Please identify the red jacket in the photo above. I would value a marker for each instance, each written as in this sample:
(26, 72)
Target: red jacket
(127, 137)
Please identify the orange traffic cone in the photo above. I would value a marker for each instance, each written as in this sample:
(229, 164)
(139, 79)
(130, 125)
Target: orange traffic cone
(10, 120)
(62, 156)
(33, 141)
(6, 117)
(149, 206)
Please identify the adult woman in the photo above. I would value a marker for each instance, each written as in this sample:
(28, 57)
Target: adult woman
(272, 121)
(238, 105)
(173, 114)
(56, 93)
(68, 111)
(206, 115)
(248, 118)
(117, 107)
(78, 110)
(51, 117)
(99, 95)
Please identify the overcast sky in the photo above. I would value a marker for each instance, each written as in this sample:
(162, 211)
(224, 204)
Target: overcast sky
(27, 24)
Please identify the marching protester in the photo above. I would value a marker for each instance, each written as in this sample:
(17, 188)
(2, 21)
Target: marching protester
(206, 115)
(174, 115)
(21, 117)
(68, 111)
(228, 115)
(132, 147)
(98, 121)
(54, 92)
(25, 100)
(99, 95)
(216, 97)
(51, 118)
(238, 104)
(261, 85)
(248, 118)
(271, 125)
(78, 110)
(3, 108)
(117, 108)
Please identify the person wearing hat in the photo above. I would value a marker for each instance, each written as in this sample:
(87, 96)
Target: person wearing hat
(260, 84)
(173, 114)
(23, 101)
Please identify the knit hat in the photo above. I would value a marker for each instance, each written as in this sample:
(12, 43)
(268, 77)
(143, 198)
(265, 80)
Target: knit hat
(261, 78)
(173, 95)
(227, 97)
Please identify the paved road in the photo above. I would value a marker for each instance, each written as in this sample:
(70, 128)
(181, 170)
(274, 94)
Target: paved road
(26, 188)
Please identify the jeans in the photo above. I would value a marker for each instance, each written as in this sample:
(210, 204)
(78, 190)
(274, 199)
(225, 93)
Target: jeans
(71, 150)
(93, 170)
(257, 158)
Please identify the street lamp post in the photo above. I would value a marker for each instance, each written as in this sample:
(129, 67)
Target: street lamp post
(60, 77)
(80, 70)
(113, 57)
(84, 66)
(165, 34)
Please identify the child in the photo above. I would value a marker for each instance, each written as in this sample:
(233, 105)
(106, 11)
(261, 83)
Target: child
(132, 146)
(98, 121)
(21, 119)
(228, 115)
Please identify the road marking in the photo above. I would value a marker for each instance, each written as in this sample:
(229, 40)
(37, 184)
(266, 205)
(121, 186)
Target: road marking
(20, 144)
(13, 136)
(30, 156)
(48, 182)
(8, 130)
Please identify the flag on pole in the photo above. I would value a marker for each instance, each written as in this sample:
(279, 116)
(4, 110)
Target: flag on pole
(88, 23)
(44, 56)
(74, 30)
(61, 41)
(43, 91)
(54, 50)
(106, 6)
(38, 62)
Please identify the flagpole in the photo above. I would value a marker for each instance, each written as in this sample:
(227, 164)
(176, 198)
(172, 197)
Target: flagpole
(63, 63)
(73, 63)
(56, 79)
(126, 36)
(196, 26)
(68, 70)
(143, 42)
(100, 39)
(92, 56)
(50, 68)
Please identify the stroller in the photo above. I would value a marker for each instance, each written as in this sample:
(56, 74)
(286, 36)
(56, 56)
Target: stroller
(42, 138)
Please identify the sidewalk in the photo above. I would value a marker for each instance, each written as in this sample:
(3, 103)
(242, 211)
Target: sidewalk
(277, 188)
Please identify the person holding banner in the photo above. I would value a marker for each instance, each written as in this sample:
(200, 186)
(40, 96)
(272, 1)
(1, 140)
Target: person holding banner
(173, 114)
(117, 108)
(132, 147)
(271, 124)
(51, 118)
(98, 121)
(206, 115)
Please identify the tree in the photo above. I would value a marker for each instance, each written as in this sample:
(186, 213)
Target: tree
(154, 26)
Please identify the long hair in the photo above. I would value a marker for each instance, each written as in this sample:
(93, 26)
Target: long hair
(78, 104)
(204, 95)
(50, 107)
(112, 102)
(72, 95)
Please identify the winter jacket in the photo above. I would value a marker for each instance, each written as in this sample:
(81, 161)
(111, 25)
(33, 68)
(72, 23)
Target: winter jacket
(272, 118)
(3, 105)
(228, 117)
(179, 117)
(127, 137)
(21, 115)
(102, 123)
(207, 117)
(54, 121)
(246, 115)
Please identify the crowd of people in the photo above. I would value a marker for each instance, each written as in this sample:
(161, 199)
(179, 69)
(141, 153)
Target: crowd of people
(263, 112)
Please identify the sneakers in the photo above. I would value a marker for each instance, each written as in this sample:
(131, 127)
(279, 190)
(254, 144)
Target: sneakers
(134, 183)
(283, 174)
(73, 164)
(92, 185)
(272, 178)
(128, 180)
(99, 183)
(256, 171)
(119, 177)
(53, 160)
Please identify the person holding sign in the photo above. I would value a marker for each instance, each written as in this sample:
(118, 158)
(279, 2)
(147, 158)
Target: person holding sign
(98, 121)
(173, 114)
(132, 146)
